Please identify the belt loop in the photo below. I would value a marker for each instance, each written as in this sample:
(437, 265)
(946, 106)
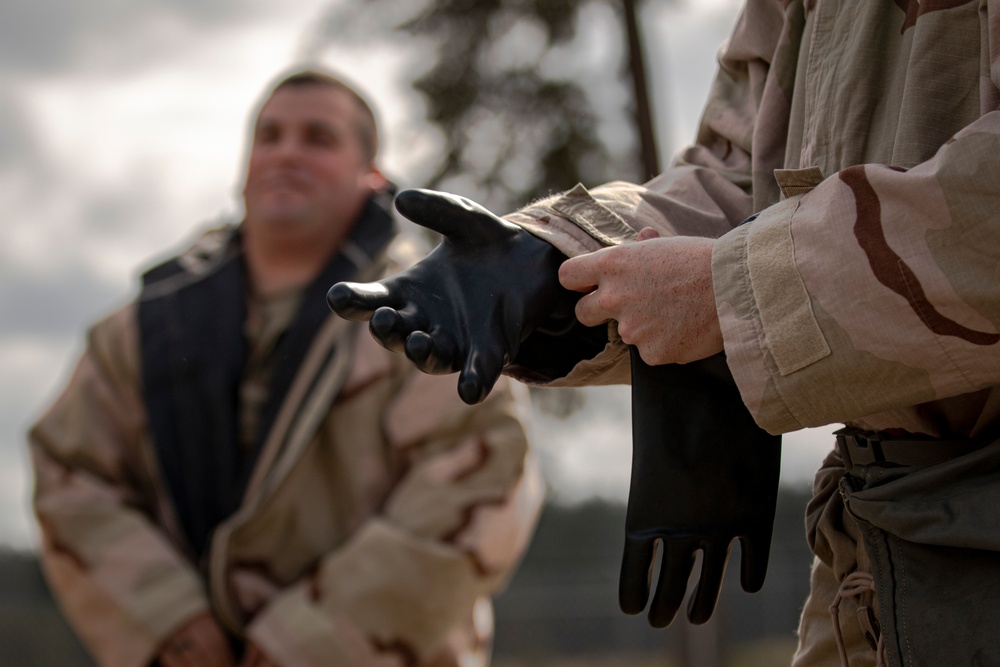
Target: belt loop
(845, 454)
(859, 448)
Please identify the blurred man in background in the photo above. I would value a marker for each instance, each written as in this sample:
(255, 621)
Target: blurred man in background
(235, 476)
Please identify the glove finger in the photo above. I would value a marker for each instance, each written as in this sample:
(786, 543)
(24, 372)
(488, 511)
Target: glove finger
(481, 371)
(753, 562)
(675, 570)
(389, 328)
(459, 219)
(357, 301)
(713, 567)
(436, 356)
(633, 583)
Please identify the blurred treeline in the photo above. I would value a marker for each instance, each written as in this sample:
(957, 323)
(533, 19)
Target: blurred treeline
(559, 610)
(523, 97)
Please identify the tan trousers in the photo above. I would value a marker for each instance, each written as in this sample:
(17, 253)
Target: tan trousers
(834, 539)
(935, 530)
(817, 638)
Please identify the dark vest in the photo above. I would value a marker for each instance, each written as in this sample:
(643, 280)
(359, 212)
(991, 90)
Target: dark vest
(193, 355)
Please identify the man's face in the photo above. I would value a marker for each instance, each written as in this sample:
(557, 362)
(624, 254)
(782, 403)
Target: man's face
(307, 167)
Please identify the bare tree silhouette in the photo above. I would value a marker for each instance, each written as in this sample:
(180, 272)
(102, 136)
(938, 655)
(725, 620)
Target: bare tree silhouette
(528, 96)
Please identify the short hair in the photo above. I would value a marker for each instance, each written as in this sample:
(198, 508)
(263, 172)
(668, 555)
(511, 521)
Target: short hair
(366, 124)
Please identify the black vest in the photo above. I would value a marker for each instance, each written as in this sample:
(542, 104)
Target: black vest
(193, 355)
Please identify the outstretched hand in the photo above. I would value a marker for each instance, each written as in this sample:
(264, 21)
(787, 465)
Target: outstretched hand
(470, 303)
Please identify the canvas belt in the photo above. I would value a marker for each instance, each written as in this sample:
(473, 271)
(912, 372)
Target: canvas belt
(860, 448)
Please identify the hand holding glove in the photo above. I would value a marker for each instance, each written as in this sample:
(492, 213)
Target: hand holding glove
(703, 473)
(470, 303)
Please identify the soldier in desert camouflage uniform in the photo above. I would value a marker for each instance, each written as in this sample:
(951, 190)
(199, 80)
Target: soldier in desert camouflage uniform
(234, 470)
(860, 144)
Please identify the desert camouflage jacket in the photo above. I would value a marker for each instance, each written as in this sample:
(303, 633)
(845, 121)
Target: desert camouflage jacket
(371, 532)
(865, 137)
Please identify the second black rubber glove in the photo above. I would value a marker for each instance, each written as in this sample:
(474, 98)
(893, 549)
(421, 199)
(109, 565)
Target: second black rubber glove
(470, 303)
(703, 474)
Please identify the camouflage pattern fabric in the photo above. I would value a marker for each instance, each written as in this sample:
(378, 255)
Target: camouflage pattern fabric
(372, 533)
(864, 138)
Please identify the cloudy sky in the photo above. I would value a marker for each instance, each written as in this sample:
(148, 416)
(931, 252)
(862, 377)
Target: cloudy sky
(121, 133)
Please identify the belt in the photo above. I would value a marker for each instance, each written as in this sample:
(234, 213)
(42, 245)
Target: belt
(860, 448)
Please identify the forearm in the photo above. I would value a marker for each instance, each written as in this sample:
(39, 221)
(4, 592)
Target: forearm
(713, 184)
(683, 201)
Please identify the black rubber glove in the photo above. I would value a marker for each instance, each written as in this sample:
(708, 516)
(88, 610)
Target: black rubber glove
(470, 303)
(703, 474)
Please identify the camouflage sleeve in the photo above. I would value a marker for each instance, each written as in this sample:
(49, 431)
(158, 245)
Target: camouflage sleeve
(412, 584)
(705, 192)
(876, 290)
(707, 189)
(122, 585)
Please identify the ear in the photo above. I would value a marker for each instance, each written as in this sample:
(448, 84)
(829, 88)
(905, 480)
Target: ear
(374, 180)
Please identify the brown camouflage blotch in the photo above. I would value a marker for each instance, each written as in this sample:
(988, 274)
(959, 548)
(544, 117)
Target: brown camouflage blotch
(312, 585)
(397, 647)
(914, 9)
(467, 513)
(466, 519)
(60, 547)
(891, 270)
(351, 392)
(483, 456)
(478, 564)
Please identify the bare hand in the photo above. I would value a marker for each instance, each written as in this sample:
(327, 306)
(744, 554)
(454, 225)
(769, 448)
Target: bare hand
(659, 290)
(200, 643)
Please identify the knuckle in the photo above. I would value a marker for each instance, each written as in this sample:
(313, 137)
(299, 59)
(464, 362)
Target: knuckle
(606, 261)
(608, 300)
(627, 333)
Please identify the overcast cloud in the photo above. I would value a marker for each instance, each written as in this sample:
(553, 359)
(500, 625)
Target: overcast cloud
(121, 132)
(44, 37)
